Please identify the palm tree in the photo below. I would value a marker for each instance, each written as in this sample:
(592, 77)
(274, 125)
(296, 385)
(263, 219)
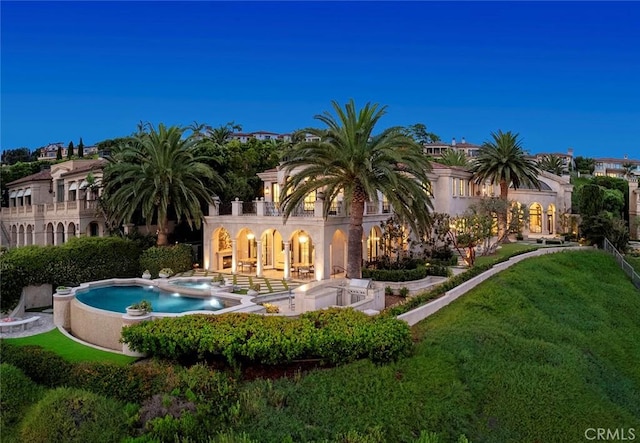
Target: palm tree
(452, 157)
(351, 161)
(628, 168)
(551, 163)
(155, 171)
(503, 161)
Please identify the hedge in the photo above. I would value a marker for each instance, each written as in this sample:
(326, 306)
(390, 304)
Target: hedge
(396, 275)
(17, 393)
(334, 335)
(179, 258)
(79, 260)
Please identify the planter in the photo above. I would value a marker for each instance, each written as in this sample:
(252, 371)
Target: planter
(215, 284)
(146, 276)
(135, 312)
(252, 292)
(163, 275)
(65, 291)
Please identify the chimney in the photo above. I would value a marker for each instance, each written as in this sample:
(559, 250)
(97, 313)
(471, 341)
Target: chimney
(570, 152)
(453, 141)
(463, 141)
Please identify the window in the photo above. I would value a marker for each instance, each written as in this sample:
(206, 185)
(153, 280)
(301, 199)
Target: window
(454, 187)
(462, 189)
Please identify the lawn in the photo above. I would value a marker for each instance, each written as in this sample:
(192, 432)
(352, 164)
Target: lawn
(540, 352)
(69, 349)
(633, 261)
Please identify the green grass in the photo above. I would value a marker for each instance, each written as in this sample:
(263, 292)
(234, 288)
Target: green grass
(538, 353)
(505, 251)
(633, 261)
(69, 349)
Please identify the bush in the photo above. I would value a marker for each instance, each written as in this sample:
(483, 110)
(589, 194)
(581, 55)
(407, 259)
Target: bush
(42, 366)
(17, 393)
(74, 415)
(178, 257)
(79, 260)
(397, 275)
(334, 335)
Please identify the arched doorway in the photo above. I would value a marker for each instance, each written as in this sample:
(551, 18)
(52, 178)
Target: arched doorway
(50, 234)
(551, 219)
(21, 239)
(60, 238)
(71, 230)
(221, 254)
(535, 218)
(374, 247)
(338, 253)
(14, 236)
(29, 235)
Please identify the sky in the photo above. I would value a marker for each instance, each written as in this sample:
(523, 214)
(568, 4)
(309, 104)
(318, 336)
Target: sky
(561, 74)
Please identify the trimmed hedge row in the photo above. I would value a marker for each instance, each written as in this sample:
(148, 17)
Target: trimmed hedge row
(178, 258)
(396, 275)
(131, 383)
(420, 299)
(79, 260)
(334, 335)
(17, 393)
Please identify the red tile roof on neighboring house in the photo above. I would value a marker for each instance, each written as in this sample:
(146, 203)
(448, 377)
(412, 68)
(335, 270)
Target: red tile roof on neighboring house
(38, 176)
(436, 165)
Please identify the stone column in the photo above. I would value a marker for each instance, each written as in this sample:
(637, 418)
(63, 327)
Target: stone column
(62, 310)
(128, 320)
(287, 261)
(234, 256)
(259, 257)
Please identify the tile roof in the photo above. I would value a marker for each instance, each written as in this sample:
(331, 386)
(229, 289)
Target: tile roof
(38, 176)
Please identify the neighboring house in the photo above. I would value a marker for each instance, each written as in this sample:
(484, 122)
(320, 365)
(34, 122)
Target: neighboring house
(50, 152)
(436, 149)
(49, 207)
(613, 167)
(634, 209)
(567, 159)
(252, 236)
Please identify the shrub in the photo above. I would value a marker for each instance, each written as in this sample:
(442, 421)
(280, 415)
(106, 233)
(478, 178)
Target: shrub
(79, 260)
(404, 292)
(17, 393)
(396, 275)
(74, 415)
(42, 366)
(179, 258)
(335, 335)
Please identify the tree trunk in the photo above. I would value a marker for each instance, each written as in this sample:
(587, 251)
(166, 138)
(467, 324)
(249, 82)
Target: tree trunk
(354, 252)
(503, 235)
(163, 235)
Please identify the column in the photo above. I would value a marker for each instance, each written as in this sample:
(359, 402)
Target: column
(259, 257)
(287, 261)
(234, 256)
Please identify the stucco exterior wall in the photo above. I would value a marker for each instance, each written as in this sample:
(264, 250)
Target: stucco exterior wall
(96, 326)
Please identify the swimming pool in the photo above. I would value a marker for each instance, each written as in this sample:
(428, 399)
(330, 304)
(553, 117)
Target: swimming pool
(117, 298)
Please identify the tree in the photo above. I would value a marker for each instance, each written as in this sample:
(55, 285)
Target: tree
(70, 150)
(156, 172)
(628, 168)
(13, 156)
(222, 133)
(80, 148)
(452, 157)
(421, 135)
(59, 153)
(551, 163)
(503, 161)
(585, 165)
(350, 160)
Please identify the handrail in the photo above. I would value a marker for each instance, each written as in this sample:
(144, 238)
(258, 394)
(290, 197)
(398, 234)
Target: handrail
(626, 267)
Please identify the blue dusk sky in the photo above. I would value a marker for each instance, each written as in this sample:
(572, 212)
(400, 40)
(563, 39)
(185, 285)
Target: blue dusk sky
(561, 74)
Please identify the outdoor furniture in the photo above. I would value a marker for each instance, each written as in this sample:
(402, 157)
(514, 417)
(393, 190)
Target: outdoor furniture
(22, 323)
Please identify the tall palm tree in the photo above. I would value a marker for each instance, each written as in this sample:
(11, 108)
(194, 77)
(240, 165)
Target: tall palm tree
(551, 163)
(503, 161)
(452, 157)
(351, 161)
(155, 171)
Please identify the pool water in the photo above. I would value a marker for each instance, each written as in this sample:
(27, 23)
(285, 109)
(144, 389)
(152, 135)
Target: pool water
(117, 298)
(192, 284)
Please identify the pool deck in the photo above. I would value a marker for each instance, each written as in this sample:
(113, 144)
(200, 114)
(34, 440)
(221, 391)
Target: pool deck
(44, 325)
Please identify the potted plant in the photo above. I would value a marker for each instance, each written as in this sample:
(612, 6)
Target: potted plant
(165, 273)
(217, 280)
(146, 274)
(63, 290)
(140, 308)
(254, 289)
(271, 309)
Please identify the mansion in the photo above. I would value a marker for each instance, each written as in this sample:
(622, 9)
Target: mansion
(253, 237)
